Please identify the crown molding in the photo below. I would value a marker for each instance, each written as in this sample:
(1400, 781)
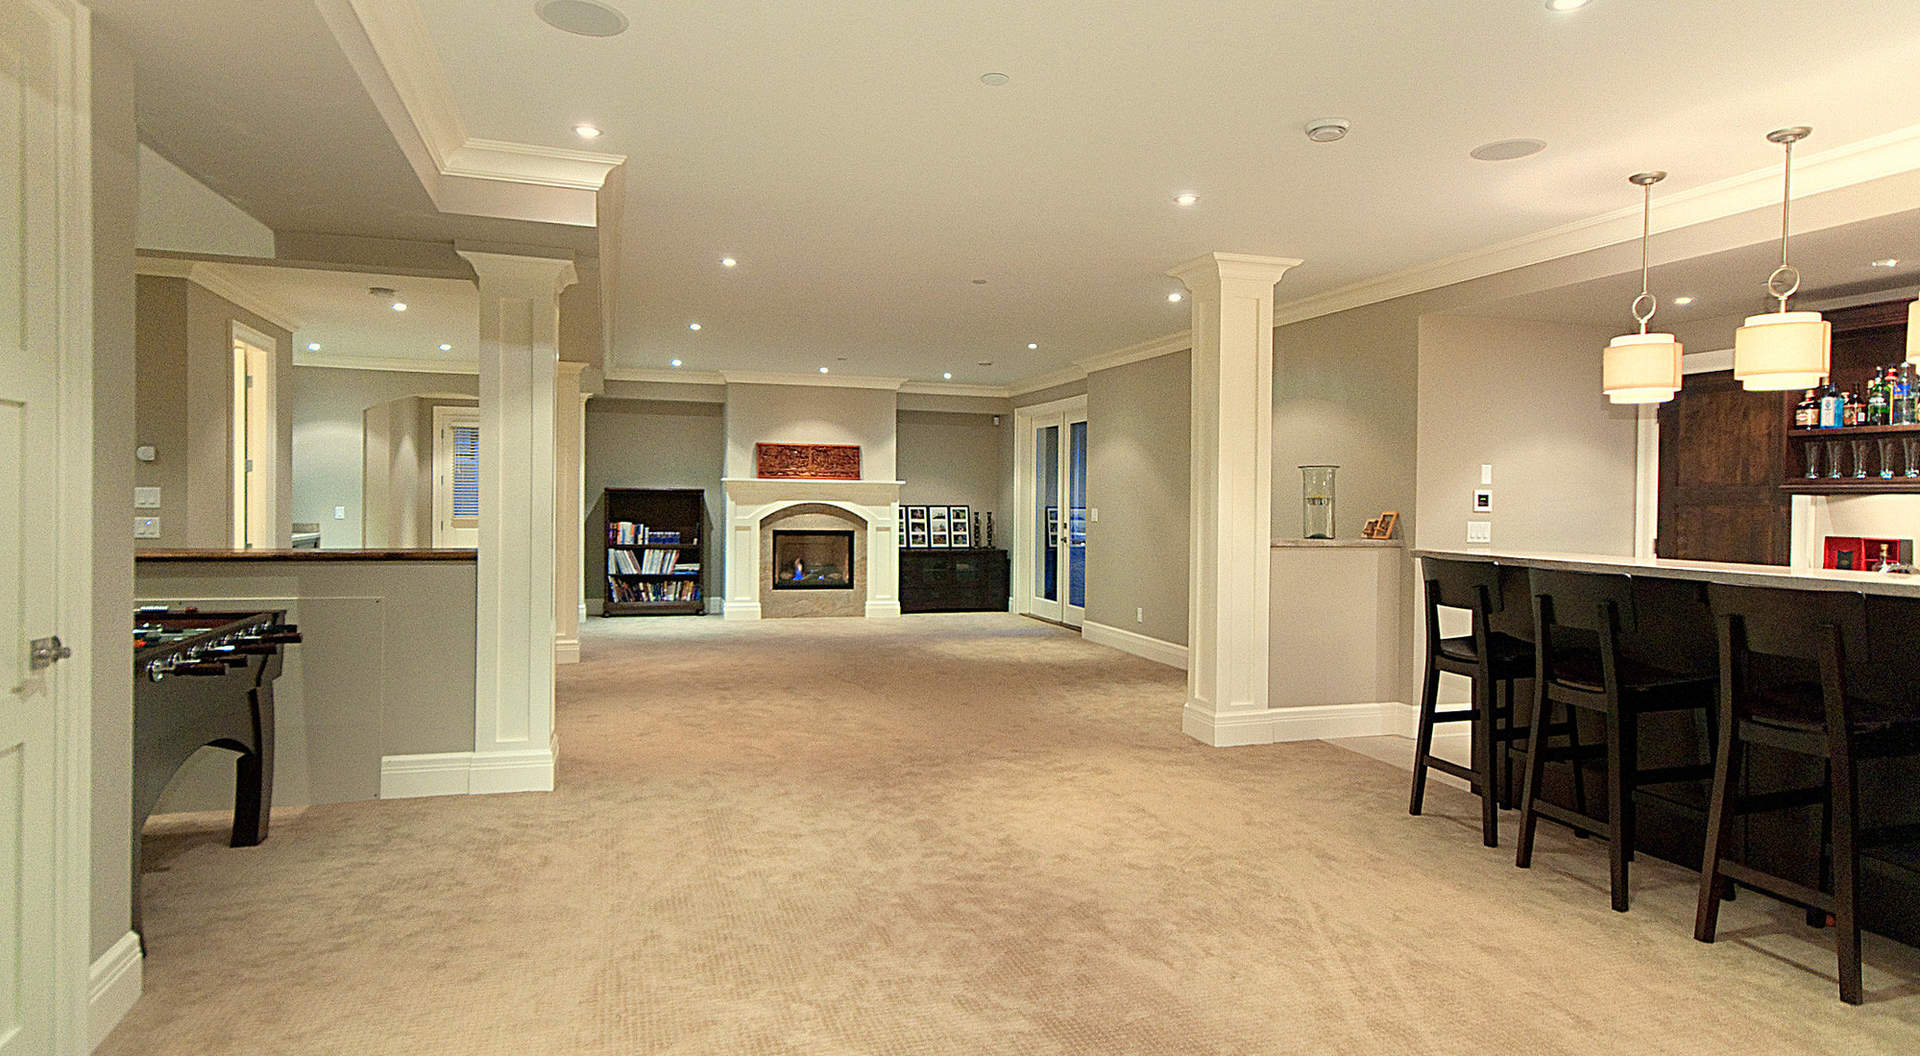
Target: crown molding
(827, 381)
(666, 377)
(387, 43)
(1159, 346)
(223, 282)
(1037, 382)
(948, 388)
(303, 358)
(1890, 154)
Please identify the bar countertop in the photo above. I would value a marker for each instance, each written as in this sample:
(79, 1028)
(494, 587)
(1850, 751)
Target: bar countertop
(304, 555)
(1703, 571)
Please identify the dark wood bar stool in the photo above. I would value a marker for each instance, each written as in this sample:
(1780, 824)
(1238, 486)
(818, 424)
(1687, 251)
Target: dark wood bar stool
(1589, 657)
(1493, 660)
(1797, 673)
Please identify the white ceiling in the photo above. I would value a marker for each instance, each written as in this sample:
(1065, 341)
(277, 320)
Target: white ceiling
(334, 310)
(849, 156)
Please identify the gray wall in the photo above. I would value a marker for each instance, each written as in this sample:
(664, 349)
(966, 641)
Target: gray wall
(1137, 466)
(115, 192)
(652, 444)
(1524, 397)
(328, 406)
(811, 414)
(953, 459)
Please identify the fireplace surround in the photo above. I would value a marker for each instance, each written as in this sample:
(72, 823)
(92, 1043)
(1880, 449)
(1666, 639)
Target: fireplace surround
(868, 508)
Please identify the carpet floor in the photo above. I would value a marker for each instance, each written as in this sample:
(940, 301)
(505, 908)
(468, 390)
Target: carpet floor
(948, 834)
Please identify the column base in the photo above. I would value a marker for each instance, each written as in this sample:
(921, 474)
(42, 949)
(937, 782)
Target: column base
(739, 610)
(566, 650)
(882, 609)
(1233, 729)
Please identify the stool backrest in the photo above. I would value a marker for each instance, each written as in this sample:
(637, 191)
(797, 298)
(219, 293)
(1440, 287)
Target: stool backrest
(1472, 585)
(1782, 635)
(1576, 599)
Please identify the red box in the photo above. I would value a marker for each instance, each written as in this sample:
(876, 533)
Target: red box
(1846, 551)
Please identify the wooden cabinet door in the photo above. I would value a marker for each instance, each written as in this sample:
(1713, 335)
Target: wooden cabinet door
(1721, 455)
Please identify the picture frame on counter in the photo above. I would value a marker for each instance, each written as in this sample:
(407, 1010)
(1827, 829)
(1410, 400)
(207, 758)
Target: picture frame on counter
(959, 527)
(902, 539)
(917, 536)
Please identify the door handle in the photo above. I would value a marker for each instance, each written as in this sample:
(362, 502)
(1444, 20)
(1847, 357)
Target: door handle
(46, 652)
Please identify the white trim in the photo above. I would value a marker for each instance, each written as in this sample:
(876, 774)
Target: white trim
(811, 481)
(666, 377)
(948, 388)
(1707, 362)
(1051, 379)
(1646, 480)
(566, 650)
(466, 773)
(113, 986)
(223, 282)
(1844, 166)
(1159, 346)
(524, 163)
(830, 381)
(1158, 650)
(445, 417)
(401, 364)
(1229, 729)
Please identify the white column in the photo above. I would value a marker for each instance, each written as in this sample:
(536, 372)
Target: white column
(569, 422)
(513, 744)
(1231, 493)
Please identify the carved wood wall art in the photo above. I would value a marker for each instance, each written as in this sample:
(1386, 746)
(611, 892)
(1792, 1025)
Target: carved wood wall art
(807, 461)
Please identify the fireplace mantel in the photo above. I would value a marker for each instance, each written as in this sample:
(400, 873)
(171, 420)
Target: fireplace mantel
(751, 500)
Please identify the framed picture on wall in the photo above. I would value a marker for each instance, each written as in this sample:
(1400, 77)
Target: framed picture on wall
(959, 530)
(903, 527)
(917, 535)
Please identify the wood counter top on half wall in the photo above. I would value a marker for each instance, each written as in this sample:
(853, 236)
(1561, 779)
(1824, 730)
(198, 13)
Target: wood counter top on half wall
(304, 555)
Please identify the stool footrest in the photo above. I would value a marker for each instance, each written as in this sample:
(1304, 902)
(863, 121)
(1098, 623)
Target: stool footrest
(1762, 802)
(1661, 775)
(1447, 766)
(1573, 819)
(1778, 887)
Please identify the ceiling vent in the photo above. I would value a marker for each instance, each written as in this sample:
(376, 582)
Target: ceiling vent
(581, 17)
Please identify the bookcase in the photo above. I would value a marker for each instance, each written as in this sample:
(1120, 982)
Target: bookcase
(655, 551)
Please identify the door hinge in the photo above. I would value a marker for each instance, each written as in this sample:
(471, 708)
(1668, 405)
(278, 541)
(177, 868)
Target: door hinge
(46, 652)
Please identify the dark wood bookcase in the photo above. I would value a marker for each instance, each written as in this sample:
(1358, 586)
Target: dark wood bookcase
(682, 510)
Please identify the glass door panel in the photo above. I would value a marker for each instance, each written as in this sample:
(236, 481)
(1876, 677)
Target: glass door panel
(1046, 536)
(1076, 522)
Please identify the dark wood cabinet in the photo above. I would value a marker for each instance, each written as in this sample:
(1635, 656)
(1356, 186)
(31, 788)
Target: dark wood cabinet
(953, 580)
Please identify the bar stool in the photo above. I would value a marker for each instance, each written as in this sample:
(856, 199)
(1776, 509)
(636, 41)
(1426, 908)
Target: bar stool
(1797, 673)
(1493, 660)
(1588, 658)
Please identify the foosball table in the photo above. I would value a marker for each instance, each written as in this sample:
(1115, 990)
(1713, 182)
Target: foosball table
(205, 679)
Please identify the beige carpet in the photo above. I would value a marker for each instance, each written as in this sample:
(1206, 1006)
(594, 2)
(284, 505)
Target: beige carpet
(948, 834)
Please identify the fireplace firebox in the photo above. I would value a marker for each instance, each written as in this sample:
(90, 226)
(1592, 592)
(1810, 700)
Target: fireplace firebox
(812, 560)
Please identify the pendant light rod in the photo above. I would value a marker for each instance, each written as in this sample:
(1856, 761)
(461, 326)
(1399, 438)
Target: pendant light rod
(1785, 280)
(1645, 181)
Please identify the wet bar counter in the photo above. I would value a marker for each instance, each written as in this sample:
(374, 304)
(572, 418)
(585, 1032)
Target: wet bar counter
(1669, 599)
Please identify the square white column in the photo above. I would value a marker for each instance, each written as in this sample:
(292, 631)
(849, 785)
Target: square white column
(569, 423)
(1231, 495)
(513, 747)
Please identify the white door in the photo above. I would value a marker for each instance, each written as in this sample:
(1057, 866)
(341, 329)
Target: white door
(1050, 566)
(41, 233)
(456, 477)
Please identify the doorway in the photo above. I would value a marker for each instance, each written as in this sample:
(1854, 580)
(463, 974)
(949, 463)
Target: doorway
(1050, 558)
(456, 477)
(254, 442)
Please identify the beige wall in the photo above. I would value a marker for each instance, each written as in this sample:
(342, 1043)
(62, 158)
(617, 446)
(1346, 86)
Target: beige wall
(328, 407)
(180, 214)
(953, 459)
(1524, 397)
(183, 396)
(651, 444)
(115, 192)
(811, 414)
(1137, 458)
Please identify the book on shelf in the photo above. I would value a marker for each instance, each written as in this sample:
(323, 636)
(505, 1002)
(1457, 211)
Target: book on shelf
(648, 563)
(620, 590)
(633, 533)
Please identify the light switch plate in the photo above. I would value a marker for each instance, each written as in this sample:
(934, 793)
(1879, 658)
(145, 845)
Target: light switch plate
(146, 498)
(1479, 531)
(339, 513)
(1094, 513)
(146, 527)
(1486, 472)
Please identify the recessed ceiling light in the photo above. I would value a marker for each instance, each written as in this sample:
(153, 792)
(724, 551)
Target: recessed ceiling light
(948, 374)
(1327, 129)
(399, 306)
(1032, 345)
(1174, 297)
(673, 362)
(313, 346)
(693, 326)
(994, 79)
(823, 370)
(586, 132)
(1683, 300)
(582, 17)
(1887, 262)
(1186, 199)
(1567, 5)
(728, 262)
(1507, 149)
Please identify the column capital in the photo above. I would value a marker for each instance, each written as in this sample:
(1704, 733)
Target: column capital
(526, 268)
(1209, 271)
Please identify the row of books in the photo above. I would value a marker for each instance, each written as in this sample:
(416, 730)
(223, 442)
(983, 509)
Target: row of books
(650, 563)
(622, 590)
(630, 533)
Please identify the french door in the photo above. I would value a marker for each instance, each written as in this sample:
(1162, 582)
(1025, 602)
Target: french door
(1050, 562)
(456, 478)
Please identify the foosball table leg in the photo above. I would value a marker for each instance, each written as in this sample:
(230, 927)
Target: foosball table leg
(252, 801)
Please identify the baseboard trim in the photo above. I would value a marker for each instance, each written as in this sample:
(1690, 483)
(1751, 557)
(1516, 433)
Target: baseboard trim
(466, 773)
(739, 610)
(882, 610)
(1235, 729)
(566, 650)
(1158, 650)
(113, 986)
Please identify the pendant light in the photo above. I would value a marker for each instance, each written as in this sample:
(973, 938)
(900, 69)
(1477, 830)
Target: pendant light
(1642, 367)
(1783, 350)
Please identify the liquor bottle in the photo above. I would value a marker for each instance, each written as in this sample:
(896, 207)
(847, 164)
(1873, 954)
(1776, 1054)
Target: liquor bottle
(1831, 408)
(1854, 409)
(1878, 390)
(1902, 405)
(1806, 415)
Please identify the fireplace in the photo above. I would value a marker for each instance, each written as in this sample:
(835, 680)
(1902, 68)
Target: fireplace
(812, 560)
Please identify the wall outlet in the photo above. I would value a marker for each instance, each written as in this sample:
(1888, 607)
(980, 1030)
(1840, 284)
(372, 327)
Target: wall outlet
(1479, 531)
(339, 513)
(146, 527)
(146, 498)
(1140, 615)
